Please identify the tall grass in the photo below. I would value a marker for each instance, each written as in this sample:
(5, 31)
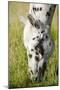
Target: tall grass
(18, 74)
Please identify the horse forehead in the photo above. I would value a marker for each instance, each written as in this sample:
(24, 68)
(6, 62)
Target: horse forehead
(41, 5)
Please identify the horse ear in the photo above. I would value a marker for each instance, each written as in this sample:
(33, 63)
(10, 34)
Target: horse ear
(31, 19)
(22, 19)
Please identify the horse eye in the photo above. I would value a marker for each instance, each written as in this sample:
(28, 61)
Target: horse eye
(37, 24)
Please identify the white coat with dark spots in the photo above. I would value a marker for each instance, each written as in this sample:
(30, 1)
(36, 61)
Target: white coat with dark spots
(37, 38)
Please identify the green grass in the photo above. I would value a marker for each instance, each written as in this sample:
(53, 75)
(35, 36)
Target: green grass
(18, 74)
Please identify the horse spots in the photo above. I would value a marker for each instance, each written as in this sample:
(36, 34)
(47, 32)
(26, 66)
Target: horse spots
(47, 14)
(42, 39)
(34, 38)
(36, 58)
(30, 55)
(40, 8)
(36, 53)
(37, 9)
(36, 47)
(31, 71)
(46, 36)
(37, 24)
(32, 50)
(39, 48)
(37, 37)
(42, 31)
(41, 51)
(34, 8)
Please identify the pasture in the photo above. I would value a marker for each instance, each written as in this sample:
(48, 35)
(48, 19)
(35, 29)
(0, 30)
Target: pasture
(17, 57)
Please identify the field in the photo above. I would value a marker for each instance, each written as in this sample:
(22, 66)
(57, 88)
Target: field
(18, 74)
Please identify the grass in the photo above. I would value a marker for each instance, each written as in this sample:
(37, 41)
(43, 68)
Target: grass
(18, 74)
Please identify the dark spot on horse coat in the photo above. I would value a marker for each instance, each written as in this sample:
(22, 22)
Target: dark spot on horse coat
(31, 19)
(34, 38)
(46, 36)
(37, 9)
(41, 50)
(36, 47)
(34, 8)
(42, 39)
(36, 58)
(32, 50)
(37, 53)
(47, 14)
(37, 24)
(30, 55)
(40, 42)
(39, 47)
(42, 31)
(37, 36)
(40, 8)
(31, 71)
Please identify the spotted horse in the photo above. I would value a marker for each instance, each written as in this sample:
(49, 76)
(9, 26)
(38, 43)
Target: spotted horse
(37, 38)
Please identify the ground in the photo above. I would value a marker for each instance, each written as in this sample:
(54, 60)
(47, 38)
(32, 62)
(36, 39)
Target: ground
(18, 74)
